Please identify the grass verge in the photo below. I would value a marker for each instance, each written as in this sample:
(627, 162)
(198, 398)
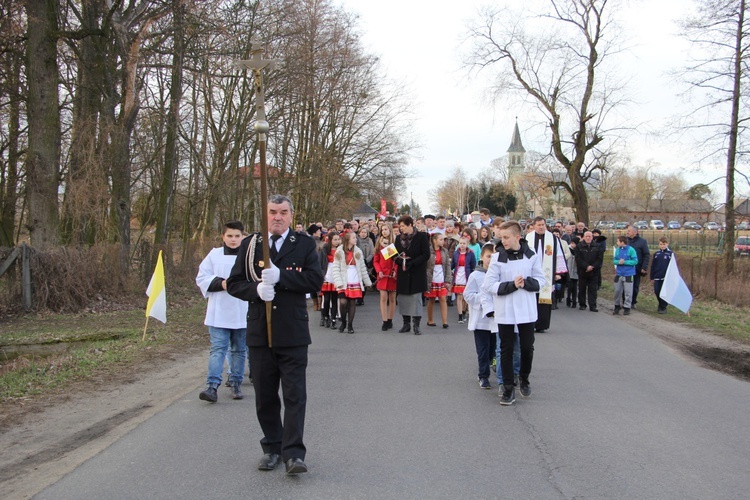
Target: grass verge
(59, 350)
(709, 315)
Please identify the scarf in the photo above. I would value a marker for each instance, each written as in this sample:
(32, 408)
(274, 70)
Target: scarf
(406, 239)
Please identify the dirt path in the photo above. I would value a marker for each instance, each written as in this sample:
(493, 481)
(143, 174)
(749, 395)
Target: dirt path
(45, 440)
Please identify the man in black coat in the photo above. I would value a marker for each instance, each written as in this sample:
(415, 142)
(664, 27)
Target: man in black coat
(589, 261)
(640, 245)
(294, 272)
(411, 279)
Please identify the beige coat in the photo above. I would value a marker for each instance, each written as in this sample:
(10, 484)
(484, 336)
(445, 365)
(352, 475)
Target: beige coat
(340, 268)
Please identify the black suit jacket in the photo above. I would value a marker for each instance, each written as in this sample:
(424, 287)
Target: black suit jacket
(300, 274)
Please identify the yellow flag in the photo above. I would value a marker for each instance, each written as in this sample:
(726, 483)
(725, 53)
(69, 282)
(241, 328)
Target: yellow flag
(389, 251)
(157, 293)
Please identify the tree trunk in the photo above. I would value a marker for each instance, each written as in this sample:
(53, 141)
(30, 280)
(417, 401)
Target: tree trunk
(171, 159)
(85, 184)
(733, 134)
(9, 182)
(43, 156)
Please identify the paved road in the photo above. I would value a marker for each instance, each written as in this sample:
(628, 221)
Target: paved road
(614, 414)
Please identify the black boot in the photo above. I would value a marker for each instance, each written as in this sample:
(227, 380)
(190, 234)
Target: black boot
(333, 323)
(407, 325)
(384, 327)
(209, 394)
(416, 320)
(389, 324)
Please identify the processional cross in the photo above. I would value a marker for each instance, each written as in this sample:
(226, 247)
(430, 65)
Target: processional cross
(257, 64)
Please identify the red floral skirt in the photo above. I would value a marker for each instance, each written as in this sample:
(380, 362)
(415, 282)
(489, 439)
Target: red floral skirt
(437, 290)
(328, 287)
(457, 289)
(353, 291)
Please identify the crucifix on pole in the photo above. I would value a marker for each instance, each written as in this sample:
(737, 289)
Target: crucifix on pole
(257, 64)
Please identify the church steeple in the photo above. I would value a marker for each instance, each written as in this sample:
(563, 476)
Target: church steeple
(516, 154)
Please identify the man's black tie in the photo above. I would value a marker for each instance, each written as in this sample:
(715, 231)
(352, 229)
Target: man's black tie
(274, 239)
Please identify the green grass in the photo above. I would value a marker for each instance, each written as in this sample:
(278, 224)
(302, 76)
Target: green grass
(709, 315)
(87, 346)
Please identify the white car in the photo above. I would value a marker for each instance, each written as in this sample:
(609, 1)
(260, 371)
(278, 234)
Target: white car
(656, 224)
(711, 226)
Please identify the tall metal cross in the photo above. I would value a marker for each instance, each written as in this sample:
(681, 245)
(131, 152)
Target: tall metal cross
(257, 64)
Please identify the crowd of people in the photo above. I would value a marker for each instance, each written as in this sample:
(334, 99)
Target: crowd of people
(504, 281)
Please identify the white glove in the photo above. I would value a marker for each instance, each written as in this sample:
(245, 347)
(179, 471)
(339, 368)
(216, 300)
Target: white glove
(266, 291)
(271, 275)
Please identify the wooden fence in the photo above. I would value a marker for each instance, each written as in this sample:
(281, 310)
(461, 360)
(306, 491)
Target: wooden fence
(22, 253)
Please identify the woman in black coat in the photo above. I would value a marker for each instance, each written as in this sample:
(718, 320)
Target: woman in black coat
(411, 280)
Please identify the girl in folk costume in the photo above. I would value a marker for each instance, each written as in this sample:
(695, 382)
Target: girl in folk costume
(463, 264)
(385, 270)
(350, 276)
(438, 279)
(328, 312)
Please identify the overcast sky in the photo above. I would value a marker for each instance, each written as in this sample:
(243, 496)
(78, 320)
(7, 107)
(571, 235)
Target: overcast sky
(418, 43)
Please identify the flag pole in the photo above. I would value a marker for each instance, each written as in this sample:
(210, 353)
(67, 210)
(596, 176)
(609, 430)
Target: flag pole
(144, 330)
(256, 63)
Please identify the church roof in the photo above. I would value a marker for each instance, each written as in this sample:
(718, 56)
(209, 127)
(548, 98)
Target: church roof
(364, 208)
(515, 143)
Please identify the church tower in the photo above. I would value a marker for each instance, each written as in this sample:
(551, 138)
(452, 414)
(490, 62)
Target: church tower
(516, 155)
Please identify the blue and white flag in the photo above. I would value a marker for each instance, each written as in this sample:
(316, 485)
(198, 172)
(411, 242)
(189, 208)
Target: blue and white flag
(674, 290)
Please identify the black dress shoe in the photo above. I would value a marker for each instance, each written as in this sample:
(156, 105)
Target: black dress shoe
(295, 466)
(269, 461)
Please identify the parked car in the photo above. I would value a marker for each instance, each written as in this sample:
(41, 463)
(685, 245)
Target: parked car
(711, 226)
(641, 225)
(692, 225)
(673, 224)
(621, 225)
(523, 223)
(656, 224)
(743, 225)
(742, 247)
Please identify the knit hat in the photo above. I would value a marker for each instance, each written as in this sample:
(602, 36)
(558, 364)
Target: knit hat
(575, 239)
(313, 229)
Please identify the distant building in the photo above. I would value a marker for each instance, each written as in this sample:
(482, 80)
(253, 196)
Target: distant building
(364, 212)
(631, 210)
(742, 210)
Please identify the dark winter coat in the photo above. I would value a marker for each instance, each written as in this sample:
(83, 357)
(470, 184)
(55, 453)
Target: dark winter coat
(413, 279)
(640, 246)
(588, 255)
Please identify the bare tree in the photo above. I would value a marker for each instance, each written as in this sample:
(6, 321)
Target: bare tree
(12, 92)
(720, 75)
(560, 68)
(43, 157)
(452, 193)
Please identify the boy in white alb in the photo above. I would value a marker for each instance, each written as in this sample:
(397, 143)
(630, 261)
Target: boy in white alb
(226, 316)
(513, 278)
(481, 322)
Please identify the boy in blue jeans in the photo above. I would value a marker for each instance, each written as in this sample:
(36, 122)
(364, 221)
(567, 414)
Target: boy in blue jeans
(625, 260)
(659, 266)
(226, 316)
